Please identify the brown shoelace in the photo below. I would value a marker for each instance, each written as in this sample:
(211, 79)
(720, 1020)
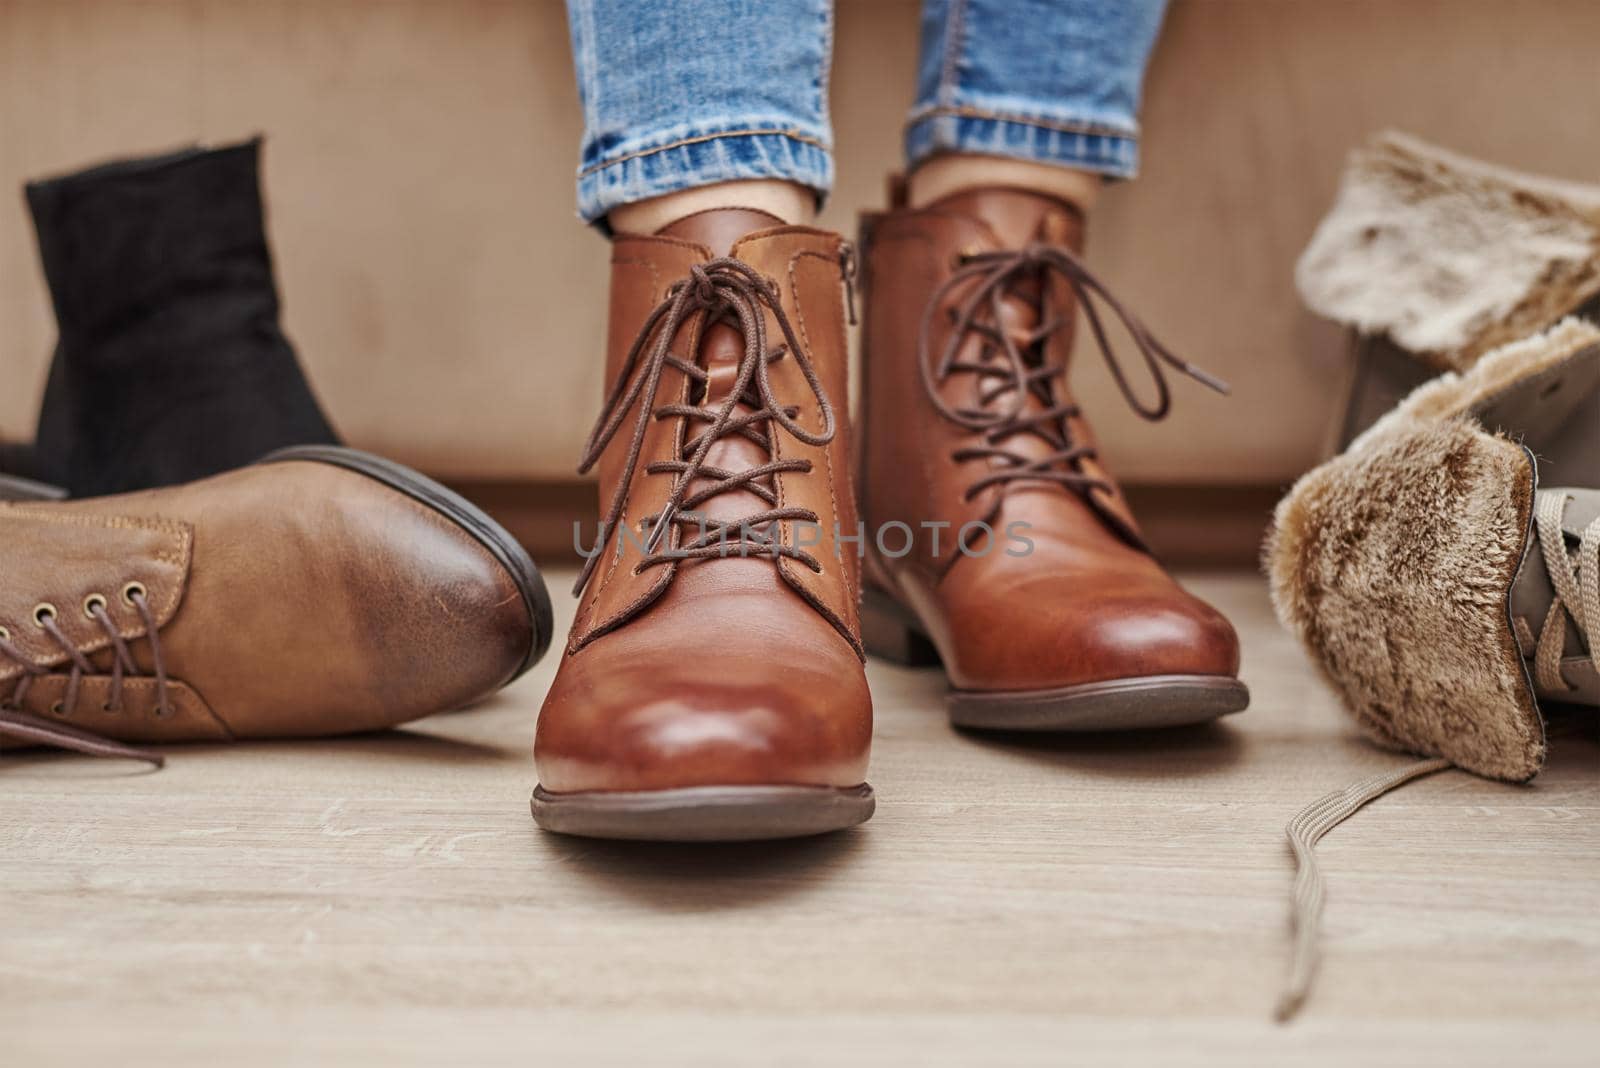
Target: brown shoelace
(1021, 372)
(728, 291)
(24, 726)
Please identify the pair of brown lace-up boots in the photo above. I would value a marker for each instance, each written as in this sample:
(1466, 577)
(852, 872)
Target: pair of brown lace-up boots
(713, 685)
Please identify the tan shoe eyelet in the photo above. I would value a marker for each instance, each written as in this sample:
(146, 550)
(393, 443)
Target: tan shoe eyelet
(58, 709)
(42, 611)
(95, 602)
(5, 635)
(131, 590)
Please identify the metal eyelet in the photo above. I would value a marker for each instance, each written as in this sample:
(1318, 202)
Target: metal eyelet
(964, 255)
(42, 611)
(5, 635)
(58, 709)
(93, 603)
(131, 590)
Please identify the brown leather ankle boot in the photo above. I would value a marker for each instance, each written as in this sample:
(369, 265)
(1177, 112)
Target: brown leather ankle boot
(713, 685)
(321, 591)
(1000, 545)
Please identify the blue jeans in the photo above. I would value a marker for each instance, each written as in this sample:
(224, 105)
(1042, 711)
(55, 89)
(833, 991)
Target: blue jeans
(685, 93)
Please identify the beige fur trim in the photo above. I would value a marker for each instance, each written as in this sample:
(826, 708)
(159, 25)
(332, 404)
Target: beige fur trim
(1393, 565)
(1456, 393)
(1450, 256)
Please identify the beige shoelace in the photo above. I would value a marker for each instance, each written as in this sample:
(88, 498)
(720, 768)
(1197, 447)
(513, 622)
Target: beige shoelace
(1577, 584)
(1305, 831)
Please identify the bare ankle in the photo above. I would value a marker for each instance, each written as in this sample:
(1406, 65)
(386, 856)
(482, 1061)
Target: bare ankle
(956, 172)
(790, 202)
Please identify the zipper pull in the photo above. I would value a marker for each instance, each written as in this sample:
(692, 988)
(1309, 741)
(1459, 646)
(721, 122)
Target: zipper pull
(847, 266)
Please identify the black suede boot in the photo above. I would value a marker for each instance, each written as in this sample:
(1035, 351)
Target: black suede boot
(170, 365)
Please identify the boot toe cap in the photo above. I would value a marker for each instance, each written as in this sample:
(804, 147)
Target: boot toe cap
(1120, 633)
(624, 726)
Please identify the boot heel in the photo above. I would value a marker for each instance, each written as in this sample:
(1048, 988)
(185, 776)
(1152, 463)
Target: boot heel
(887, 632)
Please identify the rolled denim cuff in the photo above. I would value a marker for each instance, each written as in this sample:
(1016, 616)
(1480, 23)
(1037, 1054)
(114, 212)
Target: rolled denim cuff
(632, 172)
(1087, 146)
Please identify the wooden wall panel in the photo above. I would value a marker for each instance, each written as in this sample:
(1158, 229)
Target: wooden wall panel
(419, 176)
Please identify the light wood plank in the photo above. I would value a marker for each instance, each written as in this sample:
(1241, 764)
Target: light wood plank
(1109, 899)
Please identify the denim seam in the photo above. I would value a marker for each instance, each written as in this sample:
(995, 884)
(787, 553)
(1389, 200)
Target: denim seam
(825, 75)
(956, 30)
(789, 132)
(1095, 129)
(586, 66)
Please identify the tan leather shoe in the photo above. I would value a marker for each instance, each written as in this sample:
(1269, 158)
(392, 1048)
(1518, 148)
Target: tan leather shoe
(1017, 563)
(322, 591)
(713, 684)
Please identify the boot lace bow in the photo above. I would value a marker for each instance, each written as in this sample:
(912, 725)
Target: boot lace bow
(726, 291)
(1011, 364)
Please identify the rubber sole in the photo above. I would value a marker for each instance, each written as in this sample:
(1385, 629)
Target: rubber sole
(1143, 703)
(705, 813)
(1118, 704)
(456, 508)
(17, 488)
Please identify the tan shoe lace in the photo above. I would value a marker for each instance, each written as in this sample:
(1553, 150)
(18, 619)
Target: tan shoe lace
(1307, 828)
(727, 291)
(1011, 364)
(1576, 578)
(1577, 583)
(24, 726)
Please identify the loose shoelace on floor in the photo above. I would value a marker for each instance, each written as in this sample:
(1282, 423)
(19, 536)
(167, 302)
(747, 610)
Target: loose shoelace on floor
(1577, 585)
(1305, 831)
(1021, 372)
(730, 292)
(24, 726)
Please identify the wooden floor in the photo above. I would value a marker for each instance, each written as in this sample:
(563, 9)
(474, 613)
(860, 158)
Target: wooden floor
(1104, 899)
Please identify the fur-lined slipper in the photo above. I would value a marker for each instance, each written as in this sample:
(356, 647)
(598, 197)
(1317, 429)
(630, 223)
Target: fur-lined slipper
(1395, 562)
(1440, 590)
(1394, 567)
(1448, 256)
(1444, 594)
